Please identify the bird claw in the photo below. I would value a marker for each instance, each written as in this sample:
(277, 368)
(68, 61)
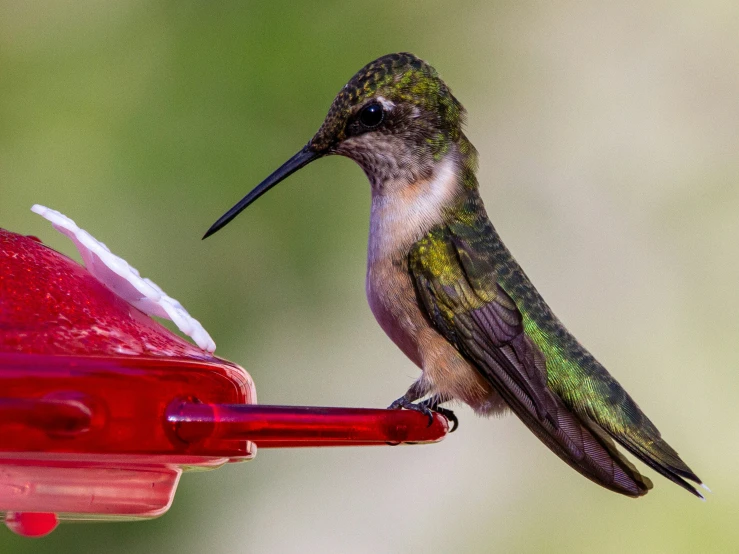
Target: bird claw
(446, 412)
(426, 407)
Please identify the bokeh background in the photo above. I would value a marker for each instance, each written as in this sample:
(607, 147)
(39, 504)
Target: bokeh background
(609, 142)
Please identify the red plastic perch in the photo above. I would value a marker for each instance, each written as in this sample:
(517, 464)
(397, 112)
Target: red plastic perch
(283, 426)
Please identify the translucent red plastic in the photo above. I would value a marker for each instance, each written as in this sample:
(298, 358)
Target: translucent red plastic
(31, 524)
(102, 408)
(281, 426)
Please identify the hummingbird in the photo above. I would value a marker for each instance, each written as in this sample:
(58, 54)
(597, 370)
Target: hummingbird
(449, 294)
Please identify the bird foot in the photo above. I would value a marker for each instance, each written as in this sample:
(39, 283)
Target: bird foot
(426, 407)
(403, 403)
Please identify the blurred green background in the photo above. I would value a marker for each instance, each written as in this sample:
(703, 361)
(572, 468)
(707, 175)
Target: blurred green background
(609, 141)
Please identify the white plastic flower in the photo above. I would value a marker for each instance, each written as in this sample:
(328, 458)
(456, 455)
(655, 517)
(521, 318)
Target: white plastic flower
(124, 280)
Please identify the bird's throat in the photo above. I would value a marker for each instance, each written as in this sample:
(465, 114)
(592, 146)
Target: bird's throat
(404, 212)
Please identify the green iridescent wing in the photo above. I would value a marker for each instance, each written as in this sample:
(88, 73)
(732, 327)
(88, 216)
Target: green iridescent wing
(457, 284)
(479, 298)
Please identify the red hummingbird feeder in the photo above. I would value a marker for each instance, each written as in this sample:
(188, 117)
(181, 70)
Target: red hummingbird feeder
(102, 408)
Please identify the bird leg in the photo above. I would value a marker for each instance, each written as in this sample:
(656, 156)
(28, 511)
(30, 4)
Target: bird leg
(417, 390)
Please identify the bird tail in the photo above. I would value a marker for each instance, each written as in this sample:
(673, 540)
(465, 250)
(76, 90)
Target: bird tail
(647, 444)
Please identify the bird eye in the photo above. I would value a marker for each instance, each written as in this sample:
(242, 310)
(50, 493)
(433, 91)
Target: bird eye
(371, 115)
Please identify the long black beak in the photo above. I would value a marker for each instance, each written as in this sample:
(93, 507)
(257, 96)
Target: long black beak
(301, 159)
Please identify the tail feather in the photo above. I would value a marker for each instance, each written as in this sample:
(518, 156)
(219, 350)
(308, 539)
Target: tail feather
(662, 458)
(629, 426)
